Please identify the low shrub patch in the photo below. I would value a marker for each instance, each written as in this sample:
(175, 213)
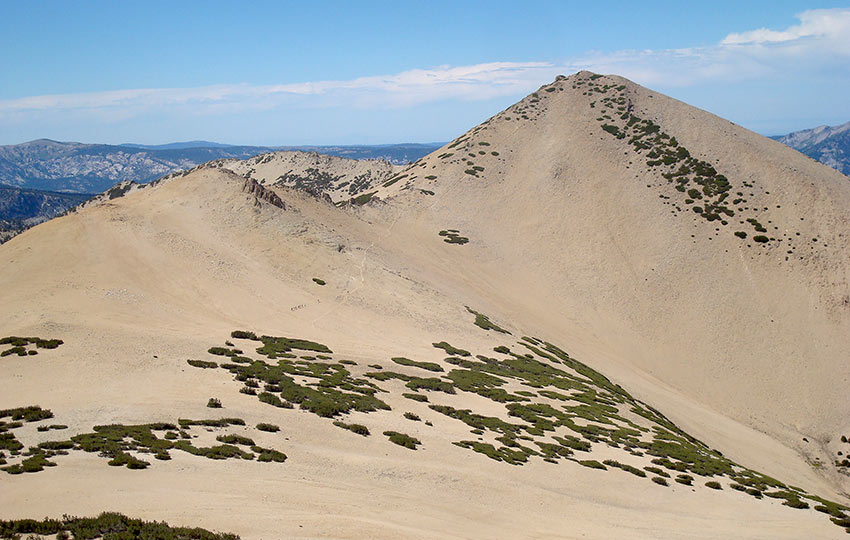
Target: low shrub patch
(354, 428)
(403, 439)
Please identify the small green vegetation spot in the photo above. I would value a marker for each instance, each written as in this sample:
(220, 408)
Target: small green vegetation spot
(19, 345)
(318, 281)
(593, 464)
(451, 350)
(242, 334)
(214, 403)
(685, 479)
(740, 234)
(224, 351)
(416, 397)
(429, 366)
(231, 438)
(760, 238)
(362, 199)
(660, 481)
(106, 525)
(403, 439)
(411, 416)
(452, 236)
(271, 428)
(202, 364)
(354, 428)
(483, 321)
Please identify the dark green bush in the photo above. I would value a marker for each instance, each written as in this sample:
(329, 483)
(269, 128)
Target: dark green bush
(429, 366)
(451, 350)
(231, 438)
(202, 364)
(224, 351)
(354, 428)
(110, 526)
(242, 334)
(271, 428)
(403, 439)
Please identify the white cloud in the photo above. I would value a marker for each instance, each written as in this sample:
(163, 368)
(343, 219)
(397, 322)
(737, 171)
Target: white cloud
(821, 40)
(822, 24)
(480, 81)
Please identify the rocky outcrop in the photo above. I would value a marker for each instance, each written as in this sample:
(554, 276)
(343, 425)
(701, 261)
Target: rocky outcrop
(261, 193)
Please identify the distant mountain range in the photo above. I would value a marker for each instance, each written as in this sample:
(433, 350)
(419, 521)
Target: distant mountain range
(828, 144)
(24, 208)
(93, 168)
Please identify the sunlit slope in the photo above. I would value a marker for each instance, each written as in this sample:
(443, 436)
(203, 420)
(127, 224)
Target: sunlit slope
(713, 258)
(562, 356)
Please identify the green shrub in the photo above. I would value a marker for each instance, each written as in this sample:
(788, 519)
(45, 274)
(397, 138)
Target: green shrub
(231, 438)
(411, 416)
(271, 428)
(760, 238)
(224, 351)
(106, 525)
(202, 364)
(430, 383)
(429, 366)
(416, 397)
(740, 234)
(483, 321)
(451, 350)
(403, 439)
(242, 334)
(354, 428)
(271, 399)
(268, 455)
(214, 403)
(32, 413)
(660, 481)
(685, 479)
(318, 281)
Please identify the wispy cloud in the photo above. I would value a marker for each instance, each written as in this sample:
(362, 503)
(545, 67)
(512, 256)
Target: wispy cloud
(482, 81)
(821, 24)
(820, 40)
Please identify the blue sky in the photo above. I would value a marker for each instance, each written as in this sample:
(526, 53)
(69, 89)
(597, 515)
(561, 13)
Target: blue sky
(277, 73)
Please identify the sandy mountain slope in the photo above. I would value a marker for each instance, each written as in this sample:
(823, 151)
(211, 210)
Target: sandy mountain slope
(566, 346)
(341, 179)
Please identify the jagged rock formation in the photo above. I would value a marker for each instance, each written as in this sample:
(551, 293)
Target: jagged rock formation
(261, 193)
(339, 179)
